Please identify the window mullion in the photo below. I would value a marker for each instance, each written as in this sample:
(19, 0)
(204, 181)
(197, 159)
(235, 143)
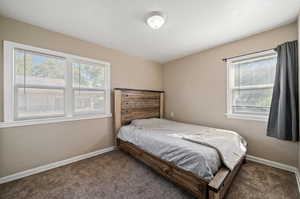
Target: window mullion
(69, 89)
(39, 86)
(89, 89)
(253, 87)
(107, 89)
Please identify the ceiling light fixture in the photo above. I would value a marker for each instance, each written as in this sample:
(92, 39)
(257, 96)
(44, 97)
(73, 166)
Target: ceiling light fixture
(155, 20)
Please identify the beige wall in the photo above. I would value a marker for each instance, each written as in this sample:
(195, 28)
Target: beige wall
(196, 92)
(31, 146)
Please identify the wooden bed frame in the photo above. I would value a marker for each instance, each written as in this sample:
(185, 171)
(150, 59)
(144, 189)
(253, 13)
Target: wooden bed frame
(133, 104)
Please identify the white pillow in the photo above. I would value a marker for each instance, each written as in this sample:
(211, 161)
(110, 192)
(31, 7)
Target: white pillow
(151, 123)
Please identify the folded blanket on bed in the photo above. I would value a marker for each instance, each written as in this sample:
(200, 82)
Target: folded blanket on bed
(230, 145)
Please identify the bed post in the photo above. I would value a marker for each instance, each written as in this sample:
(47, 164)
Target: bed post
(219, 185)
(117, 96)
(161, 115)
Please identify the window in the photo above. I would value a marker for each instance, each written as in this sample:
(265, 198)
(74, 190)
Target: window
(39, 85)
(250, 85)
(44, 84)
(88, 87)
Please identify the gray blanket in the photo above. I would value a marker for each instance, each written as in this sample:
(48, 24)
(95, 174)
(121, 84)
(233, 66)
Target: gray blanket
(230, 145)
(164, 139)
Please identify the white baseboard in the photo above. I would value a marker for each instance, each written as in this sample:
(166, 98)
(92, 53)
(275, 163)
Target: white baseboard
(298, 179)
(276, 165)
(53, 165)
(271, 163)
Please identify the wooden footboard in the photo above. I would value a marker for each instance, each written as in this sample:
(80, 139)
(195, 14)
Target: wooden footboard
(202, 189)
(220, 184)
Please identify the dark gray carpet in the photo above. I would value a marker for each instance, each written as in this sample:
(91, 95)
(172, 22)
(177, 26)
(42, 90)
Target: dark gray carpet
(116, 175)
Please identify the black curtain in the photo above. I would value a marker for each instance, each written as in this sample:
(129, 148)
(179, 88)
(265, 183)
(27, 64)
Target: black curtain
(284, 114)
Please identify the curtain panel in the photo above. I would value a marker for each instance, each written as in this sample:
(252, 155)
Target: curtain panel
(284, 113)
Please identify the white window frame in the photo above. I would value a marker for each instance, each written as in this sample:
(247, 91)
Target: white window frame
(230, 84)
(9, 87)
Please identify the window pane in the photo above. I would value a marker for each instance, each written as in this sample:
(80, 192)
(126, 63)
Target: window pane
(258, 72)
(88, 76)
(39, 69)
(89, 101)
(19, 66)
(252, 101)
(34, 102)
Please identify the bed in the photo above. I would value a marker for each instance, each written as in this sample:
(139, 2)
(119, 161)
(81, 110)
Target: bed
(196, 167)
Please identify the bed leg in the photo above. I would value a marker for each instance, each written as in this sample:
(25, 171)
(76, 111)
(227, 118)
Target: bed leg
(213, 195)
(244, 161)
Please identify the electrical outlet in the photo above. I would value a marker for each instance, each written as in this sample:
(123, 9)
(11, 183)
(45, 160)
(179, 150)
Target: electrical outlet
(172, 114)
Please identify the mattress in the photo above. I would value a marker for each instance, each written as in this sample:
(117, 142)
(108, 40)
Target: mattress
(163, 139)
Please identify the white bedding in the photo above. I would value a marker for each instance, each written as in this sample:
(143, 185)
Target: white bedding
(164, 139)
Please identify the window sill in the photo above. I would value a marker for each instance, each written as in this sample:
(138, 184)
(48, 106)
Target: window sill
(51, 120)
(247, 117)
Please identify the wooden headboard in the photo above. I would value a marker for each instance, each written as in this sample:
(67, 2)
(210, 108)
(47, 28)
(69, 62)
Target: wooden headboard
(131, 104)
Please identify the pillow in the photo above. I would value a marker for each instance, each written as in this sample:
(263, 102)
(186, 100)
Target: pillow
(151, 123)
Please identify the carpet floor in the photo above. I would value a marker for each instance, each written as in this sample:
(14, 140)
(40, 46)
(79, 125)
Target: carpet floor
(116, 175)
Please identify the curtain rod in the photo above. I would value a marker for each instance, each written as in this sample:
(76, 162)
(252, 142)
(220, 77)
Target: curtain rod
(225, 59)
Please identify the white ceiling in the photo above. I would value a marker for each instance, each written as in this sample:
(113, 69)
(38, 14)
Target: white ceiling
(192, 25)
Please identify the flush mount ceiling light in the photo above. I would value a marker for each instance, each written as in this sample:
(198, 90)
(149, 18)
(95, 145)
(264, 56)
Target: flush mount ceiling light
(155, 20)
